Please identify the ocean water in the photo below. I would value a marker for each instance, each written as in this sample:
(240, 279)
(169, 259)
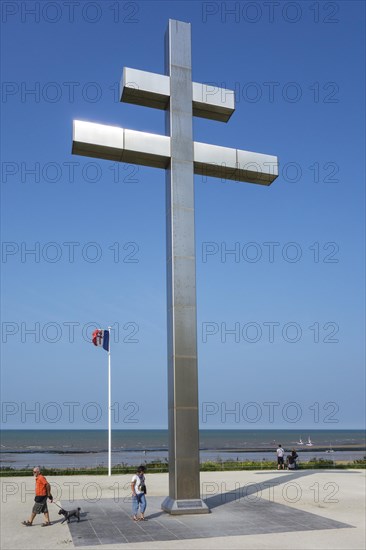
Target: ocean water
(79, 448)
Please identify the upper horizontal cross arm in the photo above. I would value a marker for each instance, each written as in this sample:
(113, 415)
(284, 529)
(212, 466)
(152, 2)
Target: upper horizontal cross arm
(153, 90)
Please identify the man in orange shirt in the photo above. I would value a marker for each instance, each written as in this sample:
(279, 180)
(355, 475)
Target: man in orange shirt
(43, 491)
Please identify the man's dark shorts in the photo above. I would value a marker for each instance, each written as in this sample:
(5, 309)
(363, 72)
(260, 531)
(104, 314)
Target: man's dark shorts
(280, 460)
(40, 507)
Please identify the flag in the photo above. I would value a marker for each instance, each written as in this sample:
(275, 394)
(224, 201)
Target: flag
(101, 338)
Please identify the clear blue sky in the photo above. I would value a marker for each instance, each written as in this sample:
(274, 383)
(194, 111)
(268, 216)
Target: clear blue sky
(293, 291)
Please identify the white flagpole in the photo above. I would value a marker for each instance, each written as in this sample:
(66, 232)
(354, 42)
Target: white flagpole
(109, 408)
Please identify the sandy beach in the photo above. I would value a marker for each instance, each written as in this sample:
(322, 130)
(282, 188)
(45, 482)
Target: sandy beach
(327, 510)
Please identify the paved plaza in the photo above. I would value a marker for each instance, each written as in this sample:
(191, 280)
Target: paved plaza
(269, 509)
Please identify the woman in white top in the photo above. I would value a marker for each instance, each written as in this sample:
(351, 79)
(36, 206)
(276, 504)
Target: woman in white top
(138, 488)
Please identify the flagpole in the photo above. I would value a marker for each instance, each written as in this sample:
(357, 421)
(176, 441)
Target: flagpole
(109, 408)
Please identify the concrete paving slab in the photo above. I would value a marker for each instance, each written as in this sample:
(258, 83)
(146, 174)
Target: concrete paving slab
(259, 510)
(236, 518)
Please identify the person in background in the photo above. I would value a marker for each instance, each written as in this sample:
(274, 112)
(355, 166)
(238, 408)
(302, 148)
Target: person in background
(138, 488)
(43, 492)
(294, 457)
(291, 460)
(280, 454)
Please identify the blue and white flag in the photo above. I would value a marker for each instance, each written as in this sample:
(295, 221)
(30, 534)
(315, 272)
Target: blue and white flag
(101, 338)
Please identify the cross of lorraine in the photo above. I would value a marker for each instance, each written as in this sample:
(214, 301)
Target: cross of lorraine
(181, 157)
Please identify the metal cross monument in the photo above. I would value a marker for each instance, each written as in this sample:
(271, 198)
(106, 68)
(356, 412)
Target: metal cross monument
(181, 158)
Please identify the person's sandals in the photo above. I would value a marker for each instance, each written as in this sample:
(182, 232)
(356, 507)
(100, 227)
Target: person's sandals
(27, 523)
(135, 518)
(46, 524)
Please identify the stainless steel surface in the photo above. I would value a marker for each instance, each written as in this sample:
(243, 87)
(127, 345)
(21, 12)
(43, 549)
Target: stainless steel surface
(234, 164)
(212, 102)
(181, 157)
(215, 161)
(153, 90)
(112, 143)
(147, 149)
(144, 88)
(256, 167)
(119, 144)
(184, 482)
(97, 140)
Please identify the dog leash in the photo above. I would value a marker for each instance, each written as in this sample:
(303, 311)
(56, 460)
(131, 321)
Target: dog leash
(53, 502)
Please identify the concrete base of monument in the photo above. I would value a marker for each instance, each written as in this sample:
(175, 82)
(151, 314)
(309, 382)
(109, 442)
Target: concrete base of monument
(186, 506)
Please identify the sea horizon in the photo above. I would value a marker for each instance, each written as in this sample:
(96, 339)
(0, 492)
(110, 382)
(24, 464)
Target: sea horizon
(89, 447)
(271, 428)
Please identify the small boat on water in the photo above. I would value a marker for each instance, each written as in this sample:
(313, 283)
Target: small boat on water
(300, 442)
(330, 450)
(309, 443)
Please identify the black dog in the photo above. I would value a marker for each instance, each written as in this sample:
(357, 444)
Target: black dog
(68, 515)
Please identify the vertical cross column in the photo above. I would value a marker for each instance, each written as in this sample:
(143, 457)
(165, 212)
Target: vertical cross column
(184, 482)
